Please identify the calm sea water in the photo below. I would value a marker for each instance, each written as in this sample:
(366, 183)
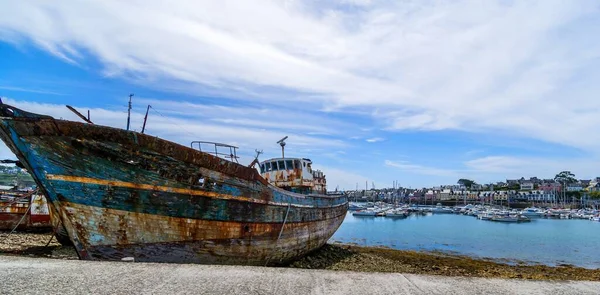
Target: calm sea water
(544, 241)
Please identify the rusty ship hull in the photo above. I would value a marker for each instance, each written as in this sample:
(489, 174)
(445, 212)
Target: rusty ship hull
(124, 194)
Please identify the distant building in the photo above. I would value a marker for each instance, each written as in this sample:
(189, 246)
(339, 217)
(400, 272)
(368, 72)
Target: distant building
(595, 187)
(512, 181)
(527, 186)
(445, 195)
(472, 196)
(549, 187)
(476, 186)
(574, 187)
(500, 196)
(535, 180)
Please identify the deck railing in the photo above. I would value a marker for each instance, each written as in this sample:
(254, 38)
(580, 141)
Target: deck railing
(220, 150)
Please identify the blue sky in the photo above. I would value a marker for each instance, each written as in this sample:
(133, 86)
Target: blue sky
(422, 92)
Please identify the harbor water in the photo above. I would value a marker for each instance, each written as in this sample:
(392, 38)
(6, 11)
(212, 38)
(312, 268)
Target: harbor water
(542, 241)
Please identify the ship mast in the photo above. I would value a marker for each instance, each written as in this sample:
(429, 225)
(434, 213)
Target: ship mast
(129, 111)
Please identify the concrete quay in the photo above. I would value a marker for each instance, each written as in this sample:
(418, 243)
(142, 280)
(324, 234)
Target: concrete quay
(24, 275)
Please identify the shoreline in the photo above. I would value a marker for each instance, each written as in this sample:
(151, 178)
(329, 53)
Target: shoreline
(347, 257)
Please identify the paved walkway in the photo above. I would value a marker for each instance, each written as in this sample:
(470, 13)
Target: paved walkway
(22, 275)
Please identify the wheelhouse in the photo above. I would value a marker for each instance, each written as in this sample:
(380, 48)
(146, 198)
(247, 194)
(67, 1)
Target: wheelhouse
(294, 174)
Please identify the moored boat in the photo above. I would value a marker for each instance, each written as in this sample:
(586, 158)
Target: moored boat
(533, 212)
(442, 210)
(397, 213)
(365, 212)
(121, 194)
(510, 218)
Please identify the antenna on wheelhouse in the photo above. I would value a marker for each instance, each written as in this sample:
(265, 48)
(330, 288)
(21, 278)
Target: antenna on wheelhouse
(129, 111)
(281, 142)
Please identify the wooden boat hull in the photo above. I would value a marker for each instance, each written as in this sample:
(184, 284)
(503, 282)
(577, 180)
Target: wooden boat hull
(124, 194)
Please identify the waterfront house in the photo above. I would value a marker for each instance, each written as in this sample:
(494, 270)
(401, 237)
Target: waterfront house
(472, 196)
(500, 196)
(445, 194)
(540, 196)
(430, 195)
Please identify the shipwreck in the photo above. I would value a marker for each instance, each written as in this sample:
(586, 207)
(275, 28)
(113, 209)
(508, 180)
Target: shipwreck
(118, 194)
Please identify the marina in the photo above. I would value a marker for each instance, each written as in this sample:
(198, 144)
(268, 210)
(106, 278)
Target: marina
(549, 240)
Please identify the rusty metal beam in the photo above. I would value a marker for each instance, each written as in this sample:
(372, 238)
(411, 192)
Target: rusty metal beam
(79, 114)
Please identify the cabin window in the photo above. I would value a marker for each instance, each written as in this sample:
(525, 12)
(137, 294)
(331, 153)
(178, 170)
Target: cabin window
(304, 164)
(268, 166)
(297, 164)
(281, 165)
(289, 164)
(274, 166)
(262, 168)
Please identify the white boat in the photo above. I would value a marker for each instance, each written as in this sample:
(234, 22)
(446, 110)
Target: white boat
(485, 215)
(366, 212)
(355, 207)
(510, 218)
(442, 210)
(396, 213)
(533, 212)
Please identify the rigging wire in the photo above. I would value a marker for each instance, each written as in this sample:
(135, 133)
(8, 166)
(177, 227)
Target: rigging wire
(178, 125)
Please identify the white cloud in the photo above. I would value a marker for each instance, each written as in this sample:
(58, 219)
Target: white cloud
(184, 130)
(21, 89)
(421, 65)
(513, 69)
(374, 139)
(496, 168)
(420, 169)
(343, 179)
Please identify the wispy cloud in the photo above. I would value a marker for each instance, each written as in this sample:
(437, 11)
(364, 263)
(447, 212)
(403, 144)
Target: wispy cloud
(423, 65)
(374, 139)
(498, 167)
(184, 130)
(327, 68)
(21, 89)
(420, 169)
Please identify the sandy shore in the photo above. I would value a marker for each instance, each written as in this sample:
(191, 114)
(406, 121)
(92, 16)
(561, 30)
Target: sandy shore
(351, 258)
